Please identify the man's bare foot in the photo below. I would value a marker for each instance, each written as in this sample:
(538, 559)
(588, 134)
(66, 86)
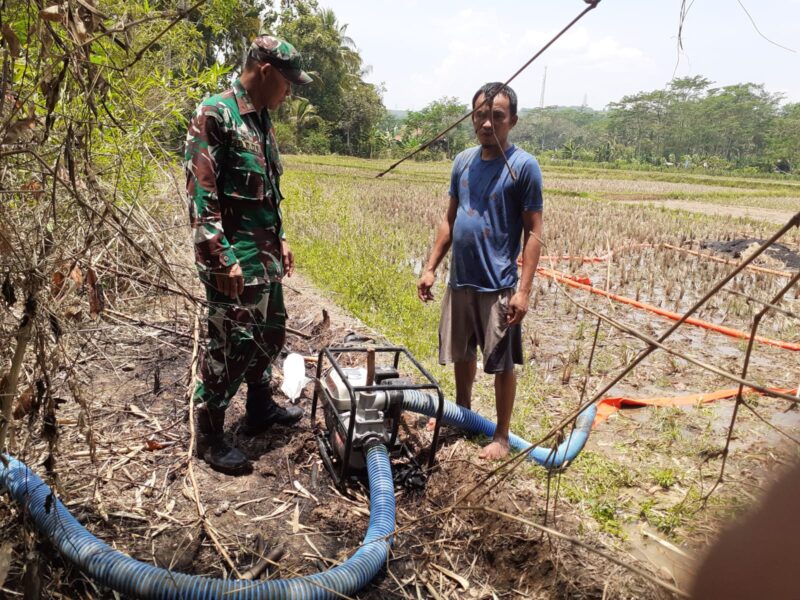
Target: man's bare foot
(495, 451)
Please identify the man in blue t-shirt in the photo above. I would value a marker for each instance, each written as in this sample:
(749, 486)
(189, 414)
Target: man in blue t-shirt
(495, 208)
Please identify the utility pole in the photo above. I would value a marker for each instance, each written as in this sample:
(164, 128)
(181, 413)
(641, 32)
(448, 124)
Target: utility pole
(544, 85)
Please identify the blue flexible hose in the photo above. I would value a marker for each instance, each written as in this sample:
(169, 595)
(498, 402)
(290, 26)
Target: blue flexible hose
(146, 582)
(463, 418)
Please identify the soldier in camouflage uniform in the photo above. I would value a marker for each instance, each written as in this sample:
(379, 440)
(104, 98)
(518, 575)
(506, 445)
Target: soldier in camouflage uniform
(233, 181)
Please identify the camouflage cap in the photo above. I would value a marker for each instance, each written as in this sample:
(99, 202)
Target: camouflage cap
(281, 55)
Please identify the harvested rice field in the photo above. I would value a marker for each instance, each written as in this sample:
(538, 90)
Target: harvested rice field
(642, 485)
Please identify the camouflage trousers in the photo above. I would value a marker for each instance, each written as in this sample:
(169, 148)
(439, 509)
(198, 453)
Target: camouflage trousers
(244, 337)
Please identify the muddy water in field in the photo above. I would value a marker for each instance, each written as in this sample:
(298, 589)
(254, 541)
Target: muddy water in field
(669, 560)
(665, 528)
(787, 421)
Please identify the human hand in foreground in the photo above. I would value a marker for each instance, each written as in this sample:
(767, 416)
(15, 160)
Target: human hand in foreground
(517, 308)
(425, 285)
(230, 281)
(287, 257)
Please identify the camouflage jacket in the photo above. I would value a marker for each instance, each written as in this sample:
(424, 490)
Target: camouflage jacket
(232, 179)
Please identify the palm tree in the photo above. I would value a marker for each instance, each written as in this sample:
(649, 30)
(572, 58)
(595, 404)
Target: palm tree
(331, 23)
(348, 53)
(301, 114)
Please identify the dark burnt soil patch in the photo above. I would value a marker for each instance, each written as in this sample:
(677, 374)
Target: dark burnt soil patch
(737, 248)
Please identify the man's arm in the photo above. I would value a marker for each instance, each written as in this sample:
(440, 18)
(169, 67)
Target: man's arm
(531, 249)
(212, 249)
(444, 237)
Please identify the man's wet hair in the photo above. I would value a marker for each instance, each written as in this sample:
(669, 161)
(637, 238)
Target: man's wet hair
(495, 88)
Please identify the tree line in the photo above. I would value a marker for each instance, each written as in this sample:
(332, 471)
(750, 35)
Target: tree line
(690, 123)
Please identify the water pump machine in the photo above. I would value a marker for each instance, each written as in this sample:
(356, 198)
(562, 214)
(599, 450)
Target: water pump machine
(363, 405)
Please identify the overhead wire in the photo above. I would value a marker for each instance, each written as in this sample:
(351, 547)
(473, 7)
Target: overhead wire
(591, 4)
(758, 31)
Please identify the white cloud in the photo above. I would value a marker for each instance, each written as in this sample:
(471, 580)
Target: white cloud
(476, 45)
(424, 50)
(580, 47)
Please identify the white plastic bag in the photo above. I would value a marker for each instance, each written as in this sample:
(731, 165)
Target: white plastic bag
(294, 376)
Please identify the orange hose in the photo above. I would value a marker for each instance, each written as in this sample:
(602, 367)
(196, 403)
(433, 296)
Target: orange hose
(729, 331)
(609, 405)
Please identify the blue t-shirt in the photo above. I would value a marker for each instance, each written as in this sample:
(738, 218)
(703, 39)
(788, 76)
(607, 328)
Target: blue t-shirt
(488, 228)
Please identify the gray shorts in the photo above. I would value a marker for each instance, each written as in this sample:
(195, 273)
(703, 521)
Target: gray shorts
(471, 319)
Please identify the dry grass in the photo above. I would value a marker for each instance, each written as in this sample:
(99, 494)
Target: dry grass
(583, 184)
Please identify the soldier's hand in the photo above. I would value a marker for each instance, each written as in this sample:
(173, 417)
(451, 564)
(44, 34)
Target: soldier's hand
(230, 281)
(424, 286)
(287, 256)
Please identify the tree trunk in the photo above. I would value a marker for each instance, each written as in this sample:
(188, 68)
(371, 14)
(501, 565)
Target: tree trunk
(8, 383)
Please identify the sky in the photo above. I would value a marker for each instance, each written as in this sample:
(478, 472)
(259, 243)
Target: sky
(424, 50)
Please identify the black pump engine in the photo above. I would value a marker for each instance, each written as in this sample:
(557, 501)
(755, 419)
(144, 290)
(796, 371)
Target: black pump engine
(364, 403)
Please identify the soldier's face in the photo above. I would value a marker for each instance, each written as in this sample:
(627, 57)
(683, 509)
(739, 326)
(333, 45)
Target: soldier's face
(493, 124)
(276, 87)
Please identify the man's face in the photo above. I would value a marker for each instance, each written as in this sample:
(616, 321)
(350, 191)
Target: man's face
(276, 87)
(492, 124)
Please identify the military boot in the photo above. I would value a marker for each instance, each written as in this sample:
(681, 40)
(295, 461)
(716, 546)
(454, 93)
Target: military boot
(211, 446)
(262, 412)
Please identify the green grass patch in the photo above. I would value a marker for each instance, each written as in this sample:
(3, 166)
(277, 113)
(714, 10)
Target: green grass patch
(664, 477)
(598, 482)
(361, 261)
